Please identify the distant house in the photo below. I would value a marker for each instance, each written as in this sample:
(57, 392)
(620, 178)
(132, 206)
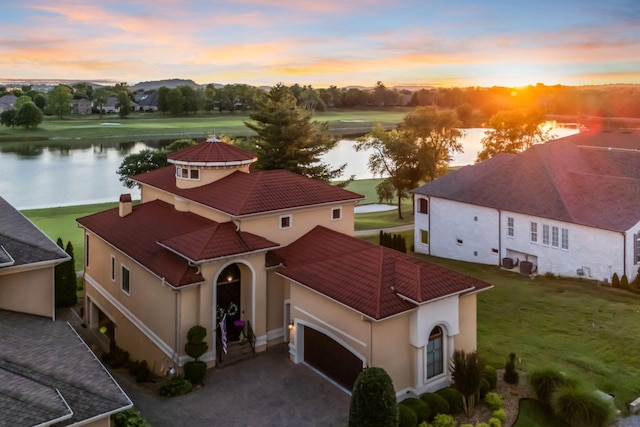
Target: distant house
(81, 106)
(48, 376)
(111, 106)
(147, 101)
(6, 102)
(269, 256)
(568, 207)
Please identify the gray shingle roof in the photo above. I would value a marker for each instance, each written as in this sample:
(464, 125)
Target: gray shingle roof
(558, 180)
(38, 359)
(24, 242)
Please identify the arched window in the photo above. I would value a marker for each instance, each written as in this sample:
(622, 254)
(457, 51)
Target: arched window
(434, 353)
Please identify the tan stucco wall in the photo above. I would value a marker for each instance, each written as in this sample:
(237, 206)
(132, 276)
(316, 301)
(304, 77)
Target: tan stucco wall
(102, 422)
(277, 292)
(467, 338)
(392, 351)
(28, 291)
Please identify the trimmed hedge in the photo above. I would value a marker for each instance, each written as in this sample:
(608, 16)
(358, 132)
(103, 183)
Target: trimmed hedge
(373, 400)
(406, 417)
(453, 398)
(418, 406)
(436, 403)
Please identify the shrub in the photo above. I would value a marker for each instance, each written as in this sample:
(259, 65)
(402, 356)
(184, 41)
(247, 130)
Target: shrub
(545, 381)
(624, 282)
(466, 372)
(636, 281)
(484, 388)
(500, 414)
(453, 398)
(175, 386)
(196, 347)
(510, 375)
(140, 370)
(494, 422)
(443, 420)
(579, 407)
(195, 371)
(493, 400)
(129, 418)
(482, 425)
(466, 425)
(373, 400)
(406, 417)
(116, 357)
(491, 375)
(418, 406)
(615, 280)
(437, 404)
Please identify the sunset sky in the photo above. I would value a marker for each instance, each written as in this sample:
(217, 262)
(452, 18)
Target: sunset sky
(323, 42)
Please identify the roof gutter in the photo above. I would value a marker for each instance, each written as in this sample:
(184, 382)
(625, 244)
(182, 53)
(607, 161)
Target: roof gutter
(59, 419)
(214, 164)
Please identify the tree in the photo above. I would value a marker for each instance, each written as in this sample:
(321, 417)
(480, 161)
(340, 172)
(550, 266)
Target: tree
(195, 347)
(288, 138)
(466, 371)
(100, 97)
(373, 400)
(8, 117)
(397, 157)
(438, 133)
(21, 101)
(123, 104)
(513, 131)
(59, 101)
(29, 116)
(175, 102)
(65, 279)
(163, 105)
(136, 163)
(40, 100)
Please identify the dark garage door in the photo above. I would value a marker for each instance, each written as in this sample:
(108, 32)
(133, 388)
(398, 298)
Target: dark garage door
(330, 358)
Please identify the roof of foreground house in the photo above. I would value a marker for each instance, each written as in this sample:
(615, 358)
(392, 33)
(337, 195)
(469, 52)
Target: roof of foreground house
(373, 280)
(212, 152)
(628, 139)
(22, 243)
(240, 193)
(559, 180)
(49, 375)
(164, 240)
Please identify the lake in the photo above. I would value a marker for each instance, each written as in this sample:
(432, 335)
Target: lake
(49, 177)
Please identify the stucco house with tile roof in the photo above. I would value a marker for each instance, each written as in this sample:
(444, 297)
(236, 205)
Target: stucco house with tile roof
(48, 376)
(268, 256)
(567, 207)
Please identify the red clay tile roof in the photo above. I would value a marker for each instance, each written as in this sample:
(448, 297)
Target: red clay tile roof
(215, 241)
(212, 153)
(243, 193)
(558, 180)
(365, 276)
(138, 234)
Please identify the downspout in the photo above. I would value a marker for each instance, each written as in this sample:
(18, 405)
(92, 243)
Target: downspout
(176, 337)
(499, 237)
(624, 253)
(429, 223)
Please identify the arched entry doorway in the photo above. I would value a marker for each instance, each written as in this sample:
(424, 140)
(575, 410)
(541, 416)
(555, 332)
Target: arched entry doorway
(229, 300)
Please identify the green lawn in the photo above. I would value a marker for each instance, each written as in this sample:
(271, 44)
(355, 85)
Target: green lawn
(86, 129)
(534, 414)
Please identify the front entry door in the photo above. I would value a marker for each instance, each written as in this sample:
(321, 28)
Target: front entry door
(229, 301)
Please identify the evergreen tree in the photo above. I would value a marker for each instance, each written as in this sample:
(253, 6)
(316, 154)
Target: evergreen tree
(373, 400)
(65, 279)
(288, 138)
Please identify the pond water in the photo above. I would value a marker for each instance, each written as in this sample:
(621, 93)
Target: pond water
(47, 177)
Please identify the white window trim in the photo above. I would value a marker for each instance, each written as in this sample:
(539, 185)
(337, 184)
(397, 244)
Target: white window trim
(548, 234)
(557, 234)
(112, 267)
(562, 234)
(123, 266)
(189, 172)
(511, 229)
(532, 232)
(339, 209)
(290, 221)
(445, 370)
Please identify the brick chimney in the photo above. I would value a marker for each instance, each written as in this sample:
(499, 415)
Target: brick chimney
(126, 206)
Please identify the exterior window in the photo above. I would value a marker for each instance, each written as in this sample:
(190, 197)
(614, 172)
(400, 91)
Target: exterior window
(188, 173)
(534, 232)
(637, 248)
(423, 206)
(113, 268)
(126, 285)
(424, 237)
(285, 221)
(565, 239)
(434, 353)
(336, 213)
(554, 237)
(86, 251)
(194, 174)
(510, 227)
(545, 234)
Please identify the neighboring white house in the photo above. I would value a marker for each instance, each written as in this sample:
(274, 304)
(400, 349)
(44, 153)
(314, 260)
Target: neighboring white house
(570, 207)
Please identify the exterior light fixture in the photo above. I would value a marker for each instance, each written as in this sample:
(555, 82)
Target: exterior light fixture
(229, 278)
(172, 371)
(291, 325)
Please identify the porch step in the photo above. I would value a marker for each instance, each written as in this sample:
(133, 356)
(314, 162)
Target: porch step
(236, 352)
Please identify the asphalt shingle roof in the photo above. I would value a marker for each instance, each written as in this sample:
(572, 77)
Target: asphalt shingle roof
(367, 277)
(43, 362)
(558, 180)
(243, 193)
(24, 242)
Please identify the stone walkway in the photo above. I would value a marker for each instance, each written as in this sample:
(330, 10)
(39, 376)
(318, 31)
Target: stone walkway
(267, 390)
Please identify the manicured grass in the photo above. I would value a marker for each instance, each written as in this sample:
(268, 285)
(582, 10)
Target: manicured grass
(572, 324)
(61, 222)
(86, 129)
(534, 414)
